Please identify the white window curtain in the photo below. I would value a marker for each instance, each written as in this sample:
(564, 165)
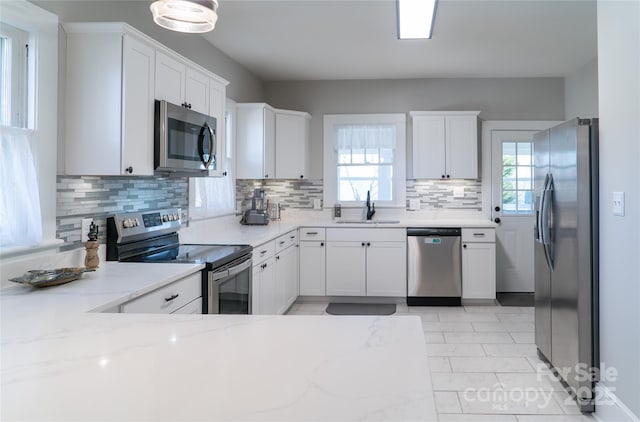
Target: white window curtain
(355, 137)
(20, 219)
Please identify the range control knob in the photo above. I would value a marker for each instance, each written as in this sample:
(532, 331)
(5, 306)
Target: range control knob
(126, 223)
(136, 223)
(165, 218)
(177, 217)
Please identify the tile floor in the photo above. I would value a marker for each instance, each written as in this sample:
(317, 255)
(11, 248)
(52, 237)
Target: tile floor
(484, 365)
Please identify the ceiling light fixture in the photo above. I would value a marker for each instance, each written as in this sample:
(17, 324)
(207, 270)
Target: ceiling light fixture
(415, 18)
(193, 16)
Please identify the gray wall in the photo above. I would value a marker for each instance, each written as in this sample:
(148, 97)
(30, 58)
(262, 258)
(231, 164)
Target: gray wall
(243, 87)
(581, 92)
(619, 104)
(497, 99)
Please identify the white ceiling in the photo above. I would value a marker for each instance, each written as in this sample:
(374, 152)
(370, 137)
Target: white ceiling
(356, 39)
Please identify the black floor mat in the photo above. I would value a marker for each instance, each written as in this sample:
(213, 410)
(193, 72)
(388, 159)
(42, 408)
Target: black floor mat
(515, 299)
(361, 308)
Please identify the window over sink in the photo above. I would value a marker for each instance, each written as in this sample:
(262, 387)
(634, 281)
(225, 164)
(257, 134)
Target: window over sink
(364, 153)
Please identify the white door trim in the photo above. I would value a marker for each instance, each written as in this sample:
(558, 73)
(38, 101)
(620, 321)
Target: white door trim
(487, 127)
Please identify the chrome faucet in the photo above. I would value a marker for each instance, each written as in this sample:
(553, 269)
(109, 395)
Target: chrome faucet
(371, 207)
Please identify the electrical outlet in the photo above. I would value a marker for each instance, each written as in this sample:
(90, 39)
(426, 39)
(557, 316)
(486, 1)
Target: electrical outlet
(458, 192)
(618, 204)
(414, 204)
(317, 204)
(85, 227)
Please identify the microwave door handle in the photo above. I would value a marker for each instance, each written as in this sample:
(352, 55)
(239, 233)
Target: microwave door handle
(206, 161)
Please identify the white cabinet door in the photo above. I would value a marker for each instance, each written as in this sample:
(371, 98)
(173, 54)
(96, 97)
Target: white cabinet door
(429, 147)
(346, 269)
(269, 143)
(478, 271)
(312, 268)
(256, 274)
(170, 79)
(387, 269)
(266, 287)
(285, 279)
(292, 136)
(217, 101)
(197, 91)
(255, 141)
(137, 107)
(462, 147)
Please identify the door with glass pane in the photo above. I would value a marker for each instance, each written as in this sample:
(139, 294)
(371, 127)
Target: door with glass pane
(513, 209)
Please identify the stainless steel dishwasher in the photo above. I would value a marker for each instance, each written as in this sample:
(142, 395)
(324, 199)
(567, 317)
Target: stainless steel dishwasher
(434, 267)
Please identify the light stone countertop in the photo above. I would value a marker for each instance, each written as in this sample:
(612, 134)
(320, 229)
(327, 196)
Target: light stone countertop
(228, 230)
(60, 361)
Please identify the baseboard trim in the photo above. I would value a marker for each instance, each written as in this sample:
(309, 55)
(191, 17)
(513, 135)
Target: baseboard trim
(609, 408)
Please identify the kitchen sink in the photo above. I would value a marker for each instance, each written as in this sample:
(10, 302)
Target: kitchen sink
(368, 221)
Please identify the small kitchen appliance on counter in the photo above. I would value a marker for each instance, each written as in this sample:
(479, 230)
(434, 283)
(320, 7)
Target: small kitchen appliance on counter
(152, 236)
(258, 213)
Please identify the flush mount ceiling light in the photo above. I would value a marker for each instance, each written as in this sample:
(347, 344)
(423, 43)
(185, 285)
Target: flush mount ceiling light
(415, 18)
(193, 16)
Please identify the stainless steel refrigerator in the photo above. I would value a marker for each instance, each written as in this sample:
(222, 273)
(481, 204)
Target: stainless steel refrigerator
(566, 253)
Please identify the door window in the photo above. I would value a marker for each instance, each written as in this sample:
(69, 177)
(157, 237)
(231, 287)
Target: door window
(517, 182)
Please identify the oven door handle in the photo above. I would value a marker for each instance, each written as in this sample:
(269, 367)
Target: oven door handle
(240, 268)
(220, 275)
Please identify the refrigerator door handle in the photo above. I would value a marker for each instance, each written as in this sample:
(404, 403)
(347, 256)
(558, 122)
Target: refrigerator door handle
(546, 221)
(538, 230)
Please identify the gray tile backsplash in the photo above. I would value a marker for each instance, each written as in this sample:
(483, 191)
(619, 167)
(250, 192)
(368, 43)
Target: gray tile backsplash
(97, 197)
(439, 194)
(100, 196)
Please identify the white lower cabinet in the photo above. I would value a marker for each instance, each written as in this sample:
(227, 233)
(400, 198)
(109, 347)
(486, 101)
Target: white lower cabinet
(346, 269)
(387, 269)
(478, 264)
(366, 262)
(312, 268)
(170, 298)
(275, 275)
(193, 308)
(264, 288)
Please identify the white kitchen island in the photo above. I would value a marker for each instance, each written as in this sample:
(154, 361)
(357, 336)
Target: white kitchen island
(61, 361)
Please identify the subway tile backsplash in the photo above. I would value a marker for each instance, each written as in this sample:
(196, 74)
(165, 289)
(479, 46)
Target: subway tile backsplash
(97, 197)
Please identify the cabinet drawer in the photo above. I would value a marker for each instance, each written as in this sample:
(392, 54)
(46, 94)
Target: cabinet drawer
(286, 240)
(478, 235)
(372, 235)
(312, 233)
(263, 252)
(194, 308)
(169, 298)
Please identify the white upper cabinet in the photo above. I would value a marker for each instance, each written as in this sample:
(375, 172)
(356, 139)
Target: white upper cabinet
(180, 84)
(114, 73)
(445, 144)
(271, 143)
(255, 141)
(292, 137)
(109, 101)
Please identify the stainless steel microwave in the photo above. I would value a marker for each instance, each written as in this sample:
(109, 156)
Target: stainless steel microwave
(184, 140)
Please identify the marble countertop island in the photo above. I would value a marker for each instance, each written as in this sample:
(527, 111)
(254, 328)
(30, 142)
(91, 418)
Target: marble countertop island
(63, 360)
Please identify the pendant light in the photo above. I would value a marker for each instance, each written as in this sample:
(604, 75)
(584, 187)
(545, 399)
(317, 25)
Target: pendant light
(193, 16)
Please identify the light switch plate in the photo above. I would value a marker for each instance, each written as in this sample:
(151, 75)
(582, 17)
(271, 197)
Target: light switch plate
(414, 204)
(458, 192)
(85, 227)
(618, 203)
(317, 204)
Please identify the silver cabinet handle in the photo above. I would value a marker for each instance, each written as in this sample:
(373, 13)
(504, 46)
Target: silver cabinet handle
(312, 233)
(478, 234)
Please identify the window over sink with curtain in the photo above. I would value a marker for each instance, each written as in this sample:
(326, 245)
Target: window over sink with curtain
(364, 153)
